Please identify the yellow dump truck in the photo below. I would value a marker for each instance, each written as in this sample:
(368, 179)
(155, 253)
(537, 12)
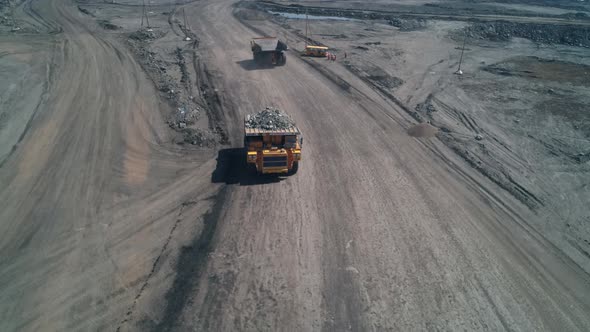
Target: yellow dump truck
(275, 148)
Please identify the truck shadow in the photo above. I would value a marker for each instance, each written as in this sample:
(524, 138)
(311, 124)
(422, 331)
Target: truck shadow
(250, 64)
(232, 168)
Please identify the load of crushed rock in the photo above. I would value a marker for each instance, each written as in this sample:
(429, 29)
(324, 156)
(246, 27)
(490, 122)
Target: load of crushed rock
(269, 119)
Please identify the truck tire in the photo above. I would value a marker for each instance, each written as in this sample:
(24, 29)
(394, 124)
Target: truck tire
(283, 59)
(295, 168)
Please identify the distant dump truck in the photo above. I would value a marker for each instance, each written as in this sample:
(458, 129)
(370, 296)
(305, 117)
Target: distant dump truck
(272, 142)
(269, 51)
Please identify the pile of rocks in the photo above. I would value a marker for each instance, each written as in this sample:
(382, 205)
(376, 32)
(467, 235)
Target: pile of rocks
(184, 117)
(269, 119)
(426, 107)
(202, 138)
(146, 34)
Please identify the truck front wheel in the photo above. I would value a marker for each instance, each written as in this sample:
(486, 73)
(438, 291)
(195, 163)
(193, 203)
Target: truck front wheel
(283, 59)
(294, 168)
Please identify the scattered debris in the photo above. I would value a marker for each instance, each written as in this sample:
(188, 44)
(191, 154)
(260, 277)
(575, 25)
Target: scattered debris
(187, 107)
(202, 138)
(426, 107)
(182, 117)
(185, 78)
(269, 119)
(478, 137)
(145, 35)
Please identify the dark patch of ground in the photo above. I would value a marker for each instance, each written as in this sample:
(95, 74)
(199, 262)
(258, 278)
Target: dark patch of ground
(572, 35)
(107, 25)
(543, 69)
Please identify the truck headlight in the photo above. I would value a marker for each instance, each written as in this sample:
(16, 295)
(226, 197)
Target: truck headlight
(251, 157)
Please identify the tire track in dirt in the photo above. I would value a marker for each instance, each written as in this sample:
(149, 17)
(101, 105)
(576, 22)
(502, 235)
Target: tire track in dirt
(190, 264)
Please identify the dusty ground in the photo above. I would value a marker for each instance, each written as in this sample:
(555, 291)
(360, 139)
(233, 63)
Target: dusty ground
(112, 217)
(94, 189)
(527, 101)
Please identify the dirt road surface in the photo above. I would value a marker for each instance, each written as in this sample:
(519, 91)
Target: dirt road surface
(92, 192)
(100, 217)
(374, 232)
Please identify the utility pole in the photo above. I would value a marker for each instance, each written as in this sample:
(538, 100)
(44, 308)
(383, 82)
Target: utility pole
(186, 28)
(147, 20)
(12, 14)
(306, 28)
(459, 71)
(142, 13)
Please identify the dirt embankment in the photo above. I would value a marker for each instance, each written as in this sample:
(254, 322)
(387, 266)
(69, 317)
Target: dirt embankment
(169, 55)
(189, 100)
(571, 35)
(448, 10)
(481, 27)
(564, 4)
(167, 50)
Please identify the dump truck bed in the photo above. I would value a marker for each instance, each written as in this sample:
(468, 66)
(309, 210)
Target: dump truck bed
(268, 44)
(278, 132)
